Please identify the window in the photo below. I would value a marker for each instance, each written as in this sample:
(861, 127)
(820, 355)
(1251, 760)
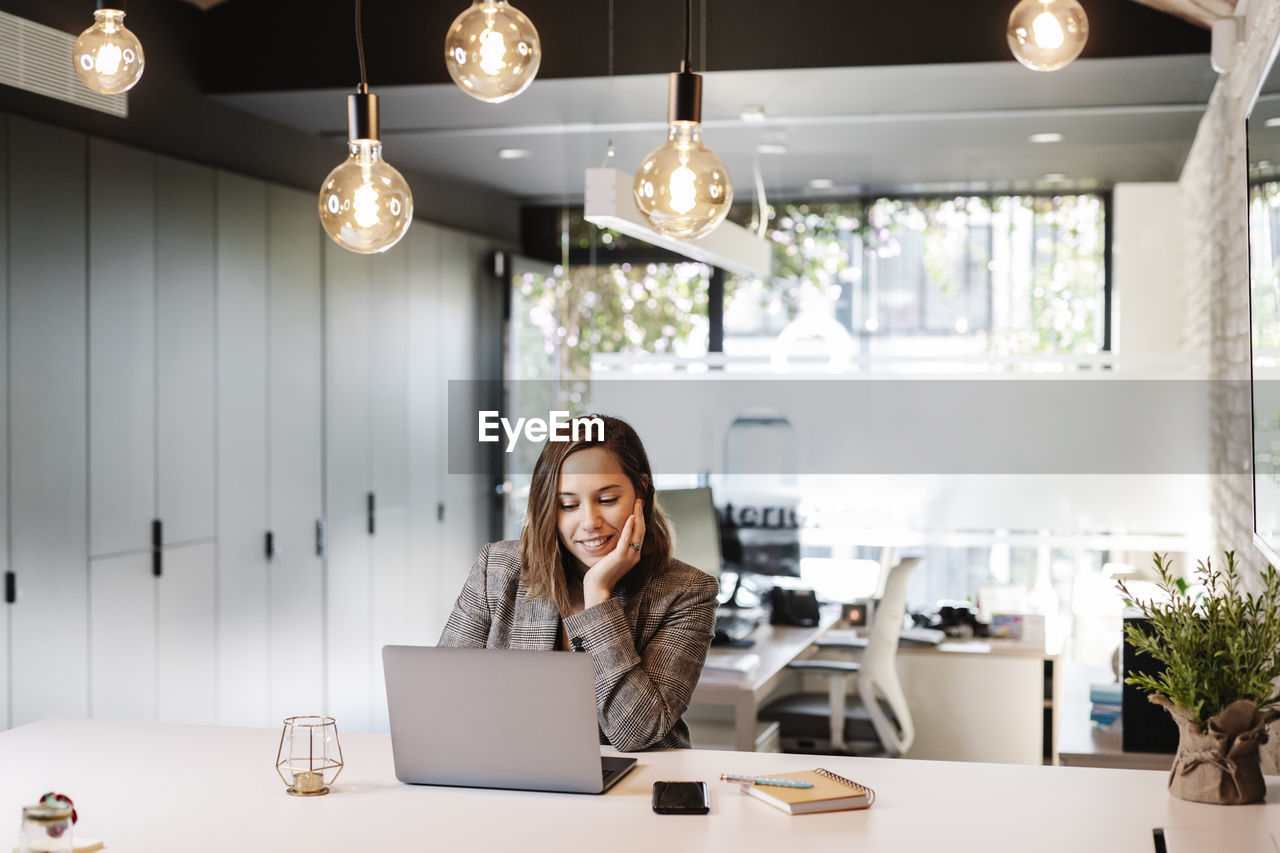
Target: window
(918, 278)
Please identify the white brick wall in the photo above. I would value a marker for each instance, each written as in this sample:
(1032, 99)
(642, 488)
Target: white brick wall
(1217, 303)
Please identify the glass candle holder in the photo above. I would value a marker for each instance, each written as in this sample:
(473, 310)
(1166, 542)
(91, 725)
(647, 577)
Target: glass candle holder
(46, 828)
(309, 758)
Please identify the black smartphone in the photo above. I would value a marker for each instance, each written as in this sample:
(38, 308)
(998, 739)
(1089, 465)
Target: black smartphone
(681, 798)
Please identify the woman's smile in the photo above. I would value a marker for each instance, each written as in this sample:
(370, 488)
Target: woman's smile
(599, 544)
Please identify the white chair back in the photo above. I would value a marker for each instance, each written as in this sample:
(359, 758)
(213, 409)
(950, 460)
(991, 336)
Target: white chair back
(879, 675)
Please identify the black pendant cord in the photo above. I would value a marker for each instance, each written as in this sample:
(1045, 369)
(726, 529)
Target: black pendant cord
(703, 30)
(364, 81)
(362, 107)
(686, 65)
(684, 98)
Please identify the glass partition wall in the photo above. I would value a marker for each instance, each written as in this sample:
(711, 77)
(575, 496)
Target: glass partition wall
(879, 288)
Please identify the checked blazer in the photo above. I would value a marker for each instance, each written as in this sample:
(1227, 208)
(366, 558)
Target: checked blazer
(648, 642)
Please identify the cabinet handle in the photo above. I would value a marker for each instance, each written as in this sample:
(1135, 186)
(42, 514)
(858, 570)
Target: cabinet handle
(319, 537)
(440, 511)
(157, 543)
(271, 544)
(10, 588)
(372, 510)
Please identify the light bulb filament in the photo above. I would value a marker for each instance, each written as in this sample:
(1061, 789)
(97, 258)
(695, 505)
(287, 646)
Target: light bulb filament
(493, 52)
(108, 61)
(364, 202)
(683, 188)
(1048, 31)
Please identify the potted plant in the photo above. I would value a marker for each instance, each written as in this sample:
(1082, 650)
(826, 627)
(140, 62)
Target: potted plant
(1219, 649)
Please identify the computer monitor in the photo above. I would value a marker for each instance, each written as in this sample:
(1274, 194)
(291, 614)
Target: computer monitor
(696, 526)
(760, 533)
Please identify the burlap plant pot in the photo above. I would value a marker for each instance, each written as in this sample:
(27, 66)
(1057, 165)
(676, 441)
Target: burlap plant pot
(1219, 763)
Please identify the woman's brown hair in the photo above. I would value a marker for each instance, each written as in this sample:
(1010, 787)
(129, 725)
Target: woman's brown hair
(541, 553)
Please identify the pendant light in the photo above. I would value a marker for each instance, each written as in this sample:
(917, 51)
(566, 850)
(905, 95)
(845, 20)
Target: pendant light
(1046, 35)
(492, 51)
(682, 187)
(365, 204)
(108, 56)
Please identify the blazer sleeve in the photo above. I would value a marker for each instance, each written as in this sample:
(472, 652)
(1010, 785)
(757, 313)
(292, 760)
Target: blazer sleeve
(641, 695)
(468, 624)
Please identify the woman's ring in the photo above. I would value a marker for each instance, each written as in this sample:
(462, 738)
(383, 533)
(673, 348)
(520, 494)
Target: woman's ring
(635, 547)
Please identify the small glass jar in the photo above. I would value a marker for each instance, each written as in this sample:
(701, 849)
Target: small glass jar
(46, 828)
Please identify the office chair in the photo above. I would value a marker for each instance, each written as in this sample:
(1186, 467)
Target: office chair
(873, 721)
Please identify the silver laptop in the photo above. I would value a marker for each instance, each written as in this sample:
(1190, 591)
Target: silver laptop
(496, 718)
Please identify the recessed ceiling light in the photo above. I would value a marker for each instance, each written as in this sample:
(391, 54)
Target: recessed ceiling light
(1056, 177)
(821, 184)
(514, 153)
(1274, 121)
(752, 113)
(1044, 137)
(771, 148)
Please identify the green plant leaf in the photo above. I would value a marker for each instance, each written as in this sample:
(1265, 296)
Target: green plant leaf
(1217, 648)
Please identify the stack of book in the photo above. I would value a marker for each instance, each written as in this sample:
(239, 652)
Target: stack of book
(1105, 699)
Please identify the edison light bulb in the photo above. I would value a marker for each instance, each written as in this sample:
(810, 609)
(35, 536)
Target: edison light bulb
(683, 187)
(1045, 35)
(108, 57)
(365, 204)
(492, 51)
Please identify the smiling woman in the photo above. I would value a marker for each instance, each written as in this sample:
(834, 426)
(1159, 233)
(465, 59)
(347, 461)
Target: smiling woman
(593, 572)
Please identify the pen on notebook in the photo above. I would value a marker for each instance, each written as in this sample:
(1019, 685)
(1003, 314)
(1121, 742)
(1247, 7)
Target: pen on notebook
(764, 780)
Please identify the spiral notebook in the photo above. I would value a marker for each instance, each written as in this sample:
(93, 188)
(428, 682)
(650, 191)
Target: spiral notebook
(830, 793)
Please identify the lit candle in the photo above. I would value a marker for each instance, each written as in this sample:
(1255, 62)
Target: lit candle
(308, 782)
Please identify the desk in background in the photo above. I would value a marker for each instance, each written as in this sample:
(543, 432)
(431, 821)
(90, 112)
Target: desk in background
(156, 788)
(777, 646)
(981, 700)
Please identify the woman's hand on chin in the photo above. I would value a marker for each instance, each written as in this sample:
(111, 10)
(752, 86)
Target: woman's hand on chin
(600, 579)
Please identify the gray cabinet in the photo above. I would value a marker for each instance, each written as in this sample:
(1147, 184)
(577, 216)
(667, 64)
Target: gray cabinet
(367, 460)
(391, 608)
(122, 637)
(348, 486)
(429, 584)
(295, 464)
(183, 345)
(468, 497)
(185, 415)
(122, 348)
(242, 450)
(47, 438)
(185, 637)
(270, 424)
(398, 326)
(150, 435)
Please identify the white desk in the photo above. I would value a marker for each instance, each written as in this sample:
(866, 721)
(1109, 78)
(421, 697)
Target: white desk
(146, 787)
(980, 700)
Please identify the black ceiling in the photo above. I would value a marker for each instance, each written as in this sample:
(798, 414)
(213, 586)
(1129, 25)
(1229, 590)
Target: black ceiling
(271, 45)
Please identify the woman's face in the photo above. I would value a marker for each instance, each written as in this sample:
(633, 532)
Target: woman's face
(594, 499)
